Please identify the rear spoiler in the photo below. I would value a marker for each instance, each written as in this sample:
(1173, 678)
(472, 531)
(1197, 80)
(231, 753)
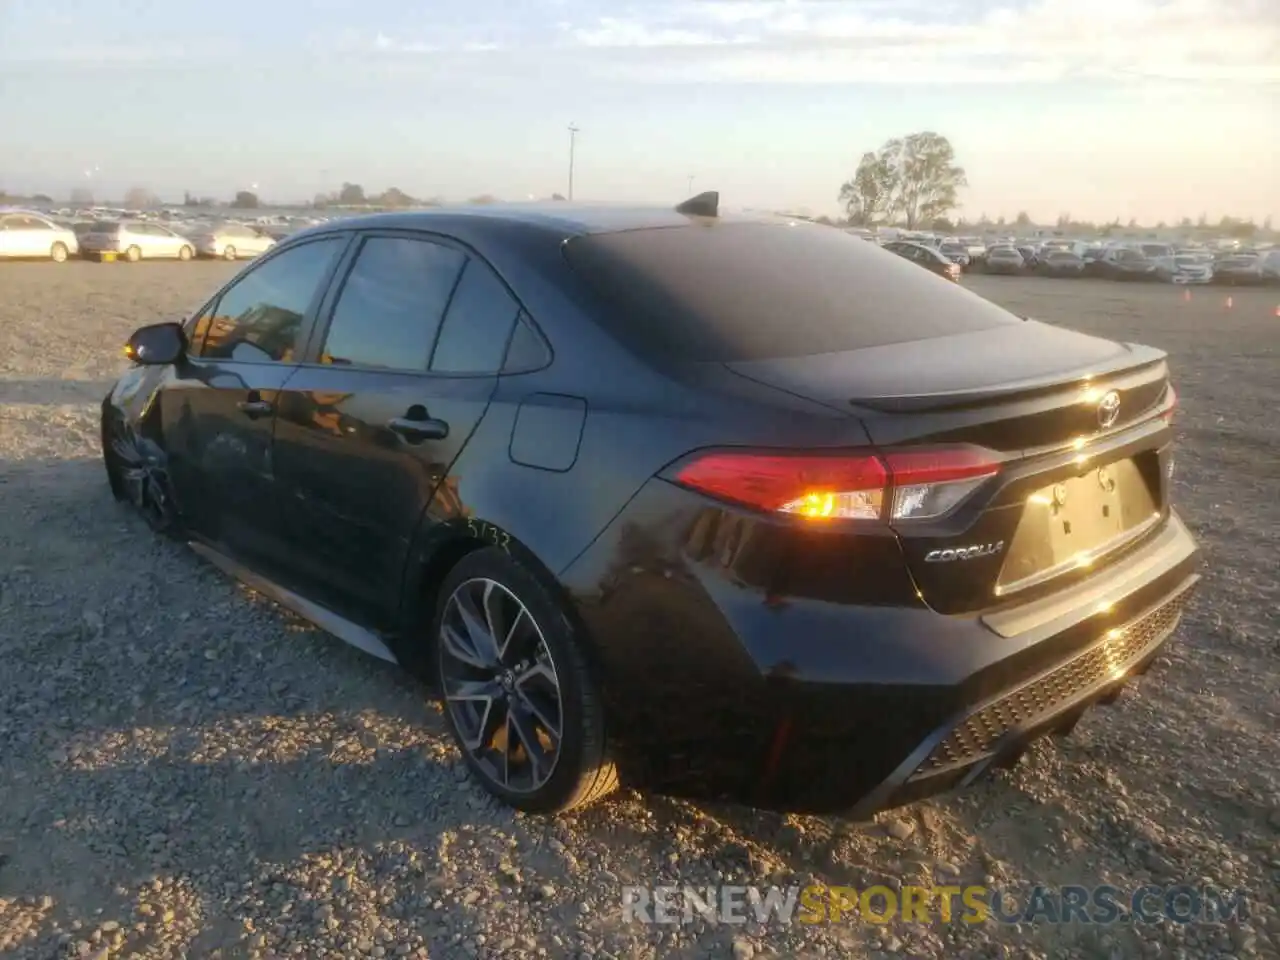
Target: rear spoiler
(1151, 369)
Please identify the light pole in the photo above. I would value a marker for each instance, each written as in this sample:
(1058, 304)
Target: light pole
(689, 192)
(573, 136)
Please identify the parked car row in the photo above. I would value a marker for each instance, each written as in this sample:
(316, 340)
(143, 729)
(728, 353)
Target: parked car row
(30, 235)
(1153, 262)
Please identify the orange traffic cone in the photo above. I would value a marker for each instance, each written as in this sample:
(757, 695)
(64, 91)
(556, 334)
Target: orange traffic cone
(1229, 303)
(1186, 294)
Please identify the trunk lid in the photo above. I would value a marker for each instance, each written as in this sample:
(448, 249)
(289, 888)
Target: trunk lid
(1076, 486)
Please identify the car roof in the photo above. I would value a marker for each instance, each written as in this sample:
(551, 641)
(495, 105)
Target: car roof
(562, 217)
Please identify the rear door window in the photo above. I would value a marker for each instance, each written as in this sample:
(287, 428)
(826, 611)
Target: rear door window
(474, 334)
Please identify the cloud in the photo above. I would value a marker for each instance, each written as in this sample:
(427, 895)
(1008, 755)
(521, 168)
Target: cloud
(772, 41)
(613, 32)
(792, 41)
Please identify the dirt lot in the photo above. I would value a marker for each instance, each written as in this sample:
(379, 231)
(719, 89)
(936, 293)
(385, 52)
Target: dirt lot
(184, 771)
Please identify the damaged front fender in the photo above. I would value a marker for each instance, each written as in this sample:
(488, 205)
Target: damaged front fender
(132, 449)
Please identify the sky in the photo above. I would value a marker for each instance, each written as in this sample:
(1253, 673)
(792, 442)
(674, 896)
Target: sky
(1146, 109)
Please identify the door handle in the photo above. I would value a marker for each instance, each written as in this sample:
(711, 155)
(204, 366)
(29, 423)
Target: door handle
(254, 407)
(415, 429)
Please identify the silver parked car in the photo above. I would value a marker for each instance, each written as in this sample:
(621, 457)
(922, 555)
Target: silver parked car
(233, 241)
(31, 235)
(135, 241)
(1186, 268)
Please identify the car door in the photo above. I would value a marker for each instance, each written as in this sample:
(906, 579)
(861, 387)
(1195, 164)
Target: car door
(24, 236)
(171, 241)
(241, 238)
(260, 242)
(10, 237)
(405, 361)
(43, 235)
(147, 241)
(160, 242)
(219, 406)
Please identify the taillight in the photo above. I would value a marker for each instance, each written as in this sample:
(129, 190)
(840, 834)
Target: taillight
(930, 483)
(898, 485)
(1171, 404)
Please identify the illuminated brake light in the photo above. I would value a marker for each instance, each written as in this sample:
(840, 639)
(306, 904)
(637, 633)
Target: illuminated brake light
(850, 487)
(912, 484)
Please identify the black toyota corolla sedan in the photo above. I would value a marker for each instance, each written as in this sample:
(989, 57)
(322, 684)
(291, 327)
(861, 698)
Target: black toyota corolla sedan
(718, 506)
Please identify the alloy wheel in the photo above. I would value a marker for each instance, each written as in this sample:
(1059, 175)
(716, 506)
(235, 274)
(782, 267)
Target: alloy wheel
(500, 685)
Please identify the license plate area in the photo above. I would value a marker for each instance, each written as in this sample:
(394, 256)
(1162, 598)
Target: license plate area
(1072, 524)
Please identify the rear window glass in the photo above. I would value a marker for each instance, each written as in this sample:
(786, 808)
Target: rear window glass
(749, 291)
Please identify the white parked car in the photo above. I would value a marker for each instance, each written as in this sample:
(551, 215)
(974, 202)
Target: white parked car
(30, 235)
(136, 241)
(233, 241)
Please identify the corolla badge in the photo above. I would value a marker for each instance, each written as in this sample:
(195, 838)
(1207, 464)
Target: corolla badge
(971, 552)
(1108, 409)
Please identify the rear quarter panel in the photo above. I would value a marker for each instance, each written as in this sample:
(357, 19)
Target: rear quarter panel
(638, 419)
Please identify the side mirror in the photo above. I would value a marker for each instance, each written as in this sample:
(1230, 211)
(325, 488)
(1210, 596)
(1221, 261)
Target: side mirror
(157, 345)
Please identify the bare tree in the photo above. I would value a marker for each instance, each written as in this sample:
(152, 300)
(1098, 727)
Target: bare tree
(82, 197)
(394, 197)
(139, 198)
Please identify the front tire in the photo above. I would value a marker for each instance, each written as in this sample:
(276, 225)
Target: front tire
(519, 696)
(133, 254)
(137, 476)
(58, 252)
(186, 253)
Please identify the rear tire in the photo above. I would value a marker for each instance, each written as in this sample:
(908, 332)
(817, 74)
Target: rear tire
(186, 253)
(133, 254)
(58, 253)
(229, 253)
(519, 696)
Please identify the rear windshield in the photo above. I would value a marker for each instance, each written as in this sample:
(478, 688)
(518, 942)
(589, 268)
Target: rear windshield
(105, 227)
(749, 291)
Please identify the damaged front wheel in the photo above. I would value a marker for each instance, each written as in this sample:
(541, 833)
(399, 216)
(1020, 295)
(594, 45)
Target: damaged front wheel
(137, 474)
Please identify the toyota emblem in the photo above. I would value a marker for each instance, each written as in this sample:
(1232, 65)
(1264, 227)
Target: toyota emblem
(1108, 409)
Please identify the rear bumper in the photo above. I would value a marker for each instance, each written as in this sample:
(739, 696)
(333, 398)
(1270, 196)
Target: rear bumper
(722, 682)
(996, 732)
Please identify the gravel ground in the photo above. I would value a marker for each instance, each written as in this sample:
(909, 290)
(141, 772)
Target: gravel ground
(185, 771)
